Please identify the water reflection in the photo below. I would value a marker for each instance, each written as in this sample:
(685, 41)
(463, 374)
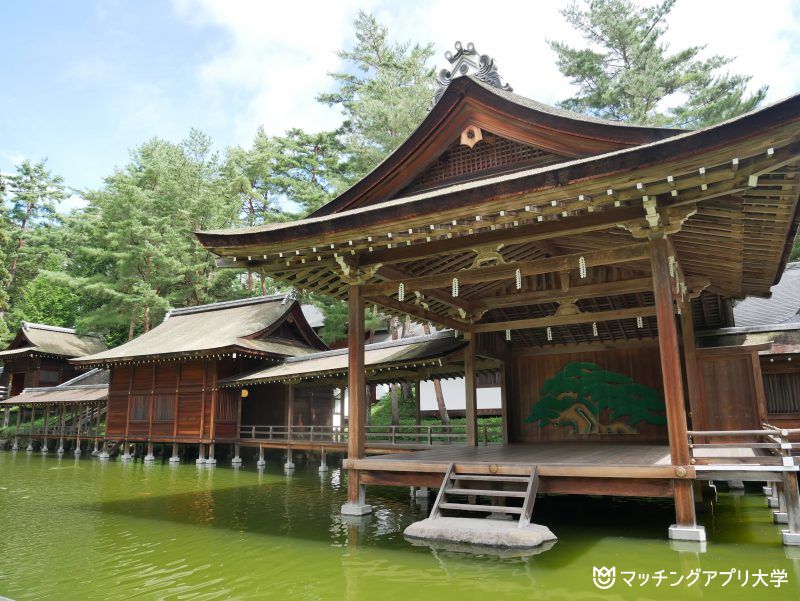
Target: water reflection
(166, 531)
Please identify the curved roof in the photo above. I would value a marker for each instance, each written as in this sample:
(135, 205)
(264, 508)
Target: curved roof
(468, 100)
(52, 340)
(242, 326)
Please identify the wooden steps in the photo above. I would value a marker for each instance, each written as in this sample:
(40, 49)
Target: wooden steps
(496, 486)
(482, 508)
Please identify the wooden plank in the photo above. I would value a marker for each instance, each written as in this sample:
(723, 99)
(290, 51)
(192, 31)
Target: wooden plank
(530, 498)
(436, 511)
(481, 508)
(517, 494)
(621, 254)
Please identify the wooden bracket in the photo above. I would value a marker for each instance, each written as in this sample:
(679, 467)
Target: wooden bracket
(488, 255)
(353, 275)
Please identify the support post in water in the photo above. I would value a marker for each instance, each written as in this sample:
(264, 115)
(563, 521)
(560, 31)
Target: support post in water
(686, 527)
(357, 403)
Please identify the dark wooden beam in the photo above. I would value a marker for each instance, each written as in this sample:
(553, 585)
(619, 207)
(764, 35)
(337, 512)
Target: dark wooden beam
(564, 320)
(622, 254)
(529, 232)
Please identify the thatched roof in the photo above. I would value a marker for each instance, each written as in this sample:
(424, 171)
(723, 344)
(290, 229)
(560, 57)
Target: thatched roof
(242, 326)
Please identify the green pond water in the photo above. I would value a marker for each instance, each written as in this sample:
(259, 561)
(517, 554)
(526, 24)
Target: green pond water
(85, 529)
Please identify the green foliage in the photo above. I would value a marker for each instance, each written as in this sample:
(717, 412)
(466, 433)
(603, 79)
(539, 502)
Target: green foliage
(386, 95)
(591, 386)
(381, 413)
(627, 72)
(336, 316)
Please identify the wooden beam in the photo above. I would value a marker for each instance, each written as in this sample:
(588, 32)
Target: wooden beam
(530, 232)
(622, 254)
(537, 297)
(564, 320)
(396, 274)
(672, 377)
(357, 388)
(418, 312)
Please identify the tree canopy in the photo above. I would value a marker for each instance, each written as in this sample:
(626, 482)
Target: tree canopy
(628, 73)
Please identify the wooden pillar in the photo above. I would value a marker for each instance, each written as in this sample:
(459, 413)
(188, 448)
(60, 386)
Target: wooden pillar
(16, 430)
(504, 400)
(470, 393)
(697, 411)
(30, 428)
(791, 495)
(99, 423)
(673, 380)
(289, 410)
(44, 428)
(357, 402)
(61, 428)
(418, 408)
(79, 417)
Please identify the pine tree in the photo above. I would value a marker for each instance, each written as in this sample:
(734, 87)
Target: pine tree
(33, 194)
(627, 72)
(386, 97)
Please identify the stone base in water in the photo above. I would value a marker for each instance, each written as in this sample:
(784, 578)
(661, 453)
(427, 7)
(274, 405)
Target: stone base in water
(485, 533)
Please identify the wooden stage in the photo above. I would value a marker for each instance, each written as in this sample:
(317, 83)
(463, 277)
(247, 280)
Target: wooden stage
(638, 470)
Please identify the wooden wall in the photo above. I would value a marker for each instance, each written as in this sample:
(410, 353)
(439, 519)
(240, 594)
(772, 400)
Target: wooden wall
(174, 400)
(527, 374)
(732, 390)
(32, 370)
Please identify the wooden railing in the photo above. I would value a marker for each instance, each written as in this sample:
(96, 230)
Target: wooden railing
(393, 435)
(3, 393)
(768, 449)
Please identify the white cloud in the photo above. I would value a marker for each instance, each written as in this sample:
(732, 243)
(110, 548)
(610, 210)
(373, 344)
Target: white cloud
(275, 56)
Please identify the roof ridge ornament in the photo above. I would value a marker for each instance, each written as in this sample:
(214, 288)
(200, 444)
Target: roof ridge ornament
(468, 61)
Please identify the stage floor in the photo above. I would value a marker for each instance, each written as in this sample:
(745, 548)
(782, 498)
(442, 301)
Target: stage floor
(553, 453)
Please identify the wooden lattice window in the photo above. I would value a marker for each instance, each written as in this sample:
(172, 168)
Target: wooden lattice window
(139, 404)
(227, 404)
(782, 392)
(488, 154)
(164, 407)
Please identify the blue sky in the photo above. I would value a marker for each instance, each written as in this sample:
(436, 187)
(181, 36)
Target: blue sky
(83, 82)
